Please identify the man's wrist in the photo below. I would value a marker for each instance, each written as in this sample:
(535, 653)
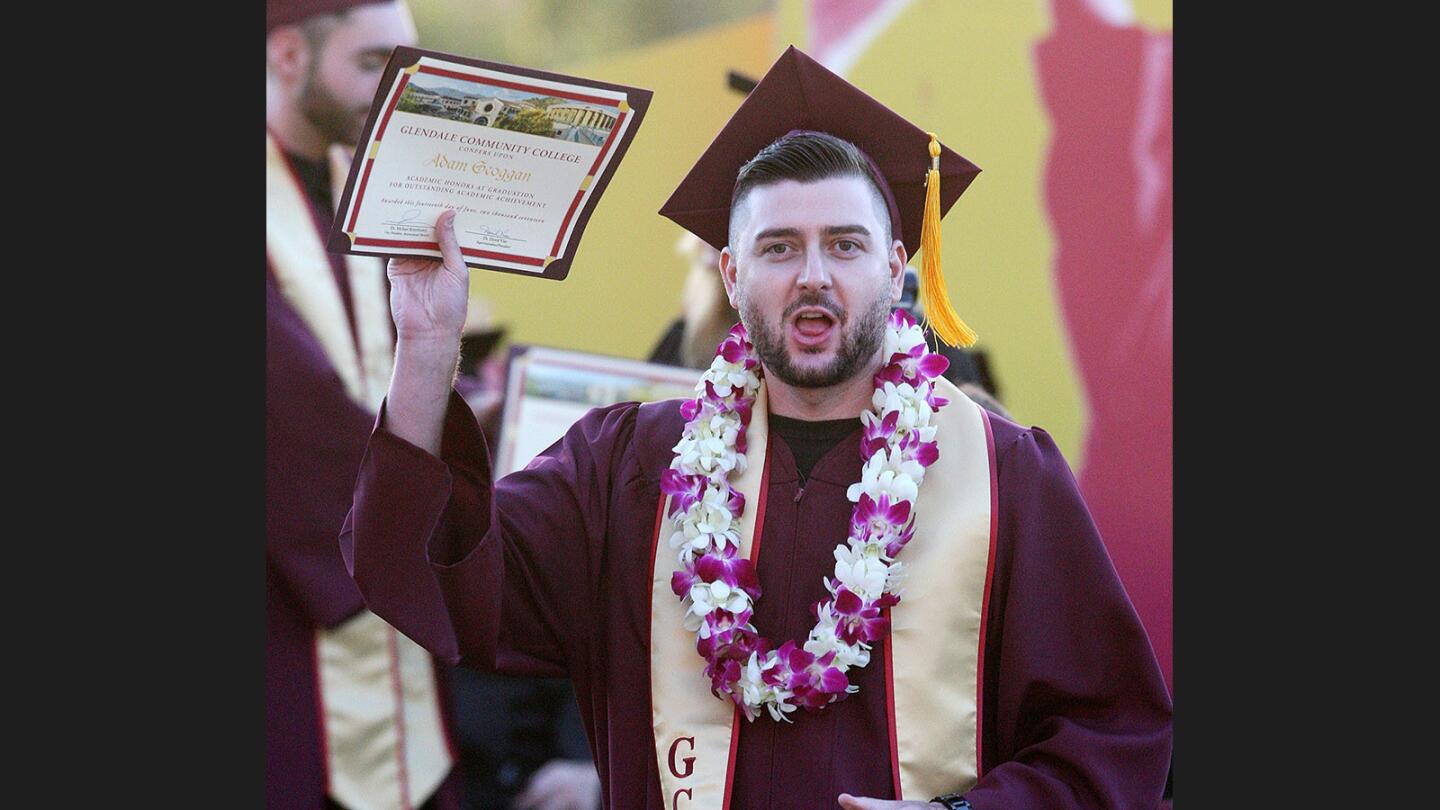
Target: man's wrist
(429, 341)
(952, 801)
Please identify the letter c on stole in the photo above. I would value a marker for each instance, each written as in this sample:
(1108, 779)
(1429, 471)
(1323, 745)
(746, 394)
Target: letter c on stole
(689, 761)
(675, 800)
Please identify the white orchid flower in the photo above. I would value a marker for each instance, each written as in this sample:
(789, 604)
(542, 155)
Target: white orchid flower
(902, 340)
(823, 640)
(880, 477)
(708, 596)
(907, 400)
(862, 576)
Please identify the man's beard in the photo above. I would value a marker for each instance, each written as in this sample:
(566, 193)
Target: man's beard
(328, 116)
(856, 347)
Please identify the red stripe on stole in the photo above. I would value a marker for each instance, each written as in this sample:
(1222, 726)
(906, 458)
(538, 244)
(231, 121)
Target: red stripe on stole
(890, 707)
(320, 713)
(649, 623)
(985, 598)
(754, 558)
(399, 691)
(755, 534)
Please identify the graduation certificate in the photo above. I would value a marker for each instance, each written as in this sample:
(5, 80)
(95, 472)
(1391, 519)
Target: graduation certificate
(521, 155)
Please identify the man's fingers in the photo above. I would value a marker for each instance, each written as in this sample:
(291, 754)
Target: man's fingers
(449, 245)
(848, 802)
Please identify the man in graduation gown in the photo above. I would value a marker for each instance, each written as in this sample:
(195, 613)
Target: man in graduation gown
(353, 712)
(1013, 673)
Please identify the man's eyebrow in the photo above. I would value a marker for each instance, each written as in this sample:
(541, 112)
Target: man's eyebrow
(839, 230)
(772, 233)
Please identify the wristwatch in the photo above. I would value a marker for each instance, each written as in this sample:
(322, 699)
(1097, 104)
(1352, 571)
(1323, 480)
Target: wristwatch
(953, 801)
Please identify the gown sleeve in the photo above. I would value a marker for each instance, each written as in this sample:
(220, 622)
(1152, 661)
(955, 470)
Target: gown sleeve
(1077, 714)
(314, 436)
(500, 578)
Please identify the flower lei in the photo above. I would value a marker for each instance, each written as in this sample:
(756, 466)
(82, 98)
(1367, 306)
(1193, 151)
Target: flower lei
(718, 587)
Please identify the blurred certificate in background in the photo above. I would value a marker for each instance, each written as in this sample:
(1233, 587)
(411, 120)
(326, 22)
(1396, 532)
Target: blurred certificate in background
(550, 389)
(521, 155)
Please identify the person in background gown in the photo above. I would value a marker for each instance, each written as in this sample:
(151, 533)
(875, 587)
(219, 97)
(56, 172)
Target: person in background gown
(334, 733)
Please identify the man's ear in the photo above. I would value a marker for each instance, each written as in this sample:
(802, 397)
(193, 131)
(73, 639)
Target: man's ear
(898, 259)
(728, 271)
(287, 53)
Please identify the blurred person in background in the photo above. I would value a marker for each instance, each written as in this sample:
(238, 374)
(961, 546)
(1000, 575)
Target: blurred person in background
(705, 313)
(335, 733)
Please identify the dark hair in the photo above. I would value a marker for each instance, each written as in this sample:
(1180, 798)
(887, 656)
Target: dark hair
(806, 157)
(318, 28)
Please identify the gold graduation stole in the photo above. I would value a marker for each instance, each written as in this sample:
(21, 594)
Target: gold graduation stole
(385, 744)
(933, 661)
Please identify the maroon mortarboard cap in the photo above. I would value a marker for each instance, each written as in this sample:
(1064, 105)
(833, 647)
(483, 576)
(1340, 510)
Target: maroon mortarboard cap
(290, 12)
(798, 93)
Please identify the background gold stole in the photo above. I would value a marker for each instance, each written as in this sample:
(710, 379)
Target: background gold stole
(935, 630)
(384, 738)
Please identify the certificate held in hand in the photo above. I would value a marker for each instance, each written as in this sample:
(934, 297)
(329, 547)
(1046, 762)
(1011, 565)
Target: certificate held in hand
(521, 155)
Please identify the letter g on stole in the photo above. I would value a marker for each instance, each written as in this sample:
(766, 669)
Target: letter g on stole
(689, 761)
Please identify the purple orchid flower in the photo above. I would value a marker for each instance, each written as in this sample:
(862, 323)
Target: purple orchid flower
(683, 580)
(882, 521)
(892, 548)
(857, 621)
(935, 401)
(729, 567)
(723, 675)
(931, 365)
(729, 636)
(878, 434)
(813, 682)
(684, 490)
(891, 372)
(923, 453)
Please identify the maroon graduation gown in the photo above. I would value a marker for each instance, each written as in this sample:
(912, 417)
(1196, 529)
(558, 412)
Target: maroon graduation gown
(314, 438)
(548, 574)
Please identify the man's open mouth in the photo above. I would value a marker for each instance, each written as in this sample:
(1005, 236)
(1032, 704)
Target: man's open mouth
(812, 325)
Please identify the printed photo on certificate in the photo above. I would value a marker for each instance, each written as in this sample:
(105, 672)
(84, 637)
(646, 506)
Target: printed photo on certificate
(521, 155)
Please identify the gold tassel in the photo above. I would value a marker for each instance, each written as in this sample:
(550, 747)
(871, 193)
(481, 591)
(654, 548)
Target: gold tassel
(938, 313)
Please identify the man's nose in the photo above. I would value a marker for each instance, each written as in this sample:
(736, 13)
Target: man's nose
(814, 275)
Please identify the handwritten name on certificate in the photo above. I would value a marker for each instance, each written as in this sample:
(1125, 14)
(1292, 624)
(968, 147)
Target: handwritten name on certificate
(521, 155)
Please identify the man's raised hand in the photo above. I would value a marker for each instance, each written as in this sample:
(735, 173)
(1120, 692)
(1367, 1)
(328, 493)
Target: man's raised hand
(428, 299)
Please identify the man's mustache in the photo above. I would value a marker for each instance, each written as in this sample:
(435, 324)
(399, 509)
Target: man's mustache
(815, 300)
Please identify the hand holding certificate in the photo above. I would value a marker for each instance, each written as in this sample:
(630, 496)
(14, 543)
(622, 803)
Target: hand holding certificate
(522, 156)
